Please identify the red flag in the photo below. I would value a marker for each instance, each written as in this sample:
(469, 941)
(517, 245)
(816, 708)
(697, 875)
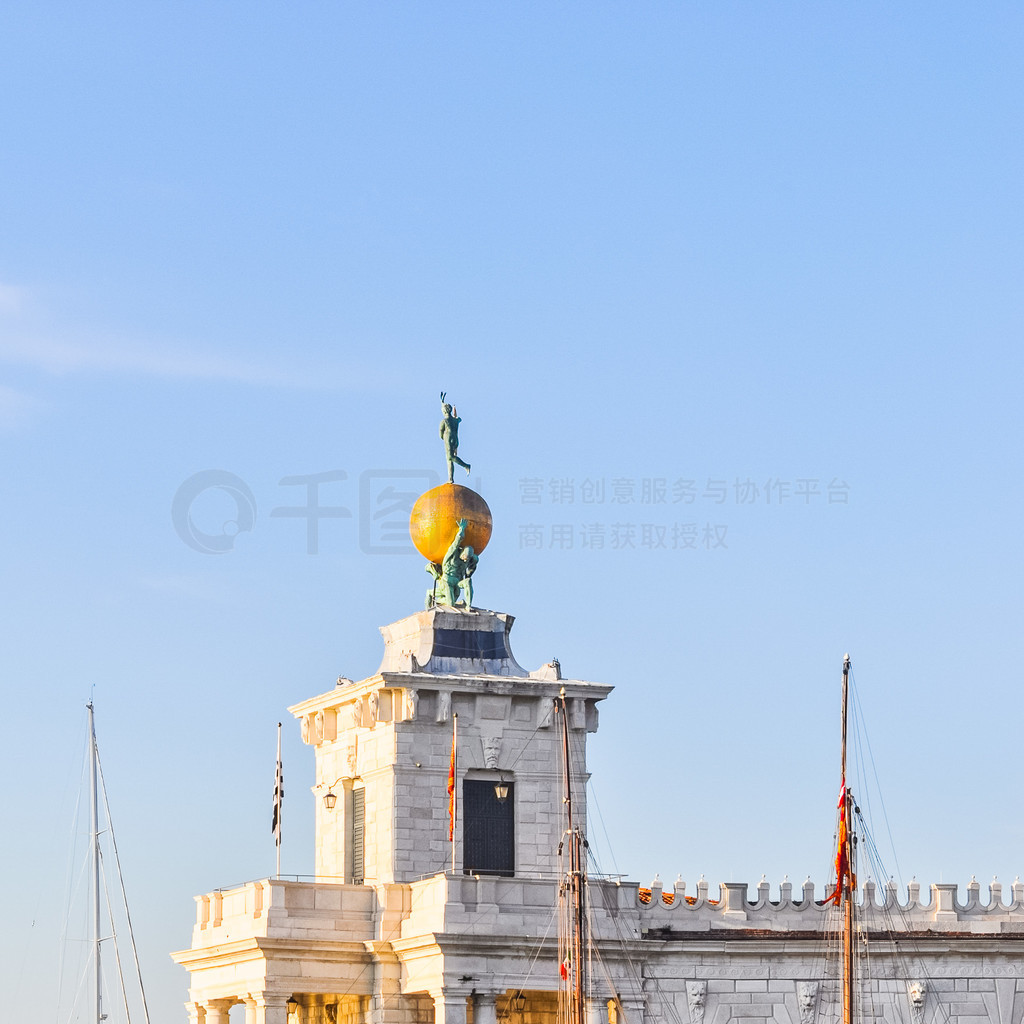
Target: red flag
(843, 871)
(451, 795)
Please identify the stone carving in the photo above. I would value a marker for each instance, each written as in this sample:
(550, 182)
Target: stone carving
(373, 706)
(318, 727)
(355, 715)
(350, 758)
(577, 713)
(306, 732)
(696, 993)
(916, 993)
(807, 998)
(412, 700)
(492, 748)
(444, 705)
(450, 421)
(547, 713)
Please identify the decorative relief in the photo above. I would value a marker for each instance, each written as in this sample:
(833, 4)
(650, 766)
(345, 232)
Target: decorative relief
(351, 752)
(547, 713)
(444, 705)
(492, 750)
(325, 726)
(412, 701)
(373, 707)
(577, 713)
(916, 993)
(696, 994)
(307, 732)
(807, 998)
(355, 714)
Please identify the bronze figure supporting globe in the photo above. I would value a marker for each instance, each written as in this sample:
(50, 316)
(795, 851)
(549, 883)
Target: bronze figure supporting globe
(435, 517)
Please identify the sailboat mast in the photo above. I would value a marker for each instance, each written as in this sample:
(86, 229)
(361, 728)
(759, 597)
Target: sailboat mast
(94, 817)
(577, 890)
(846, 837)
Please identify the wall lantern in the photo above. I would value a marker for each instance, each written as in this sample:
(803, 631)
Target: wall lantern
(501, 790)
(330, 797)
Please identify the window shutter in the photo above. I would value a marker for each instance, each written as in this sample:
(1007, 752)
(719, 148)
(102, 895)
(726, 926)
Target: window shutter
(358, 829)
(488, 829)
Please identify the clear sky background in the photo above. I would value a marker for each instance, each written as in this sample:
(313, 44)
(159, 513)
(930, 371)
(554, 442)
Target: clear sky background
(754, 268)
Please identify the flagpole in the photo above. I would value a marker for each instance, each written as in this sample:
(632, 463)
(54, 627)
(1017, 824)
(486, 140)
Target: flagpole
(455, 773)
(278, 799)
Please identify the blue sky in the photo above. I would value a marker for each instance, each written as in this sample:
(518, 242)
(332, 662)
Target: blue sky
(772, 249)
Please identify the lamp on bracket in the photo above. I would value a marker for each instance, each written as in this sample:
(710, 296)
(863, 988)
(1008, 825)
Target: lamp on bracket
(330, 797)
(501, 790)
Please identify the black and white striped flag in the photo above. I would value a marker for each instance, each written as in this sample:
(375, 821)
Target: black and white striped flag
(275, 824)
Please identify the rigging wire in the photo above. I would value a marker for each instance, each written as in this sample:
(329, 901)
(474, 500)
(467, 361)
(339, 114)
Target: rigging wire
(889, 921)
(862, 735)
(117, 948)
(124, 895)
(592, 800)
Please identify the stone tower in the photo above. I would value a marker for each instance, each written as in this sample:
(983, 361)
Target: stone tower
(383, 751)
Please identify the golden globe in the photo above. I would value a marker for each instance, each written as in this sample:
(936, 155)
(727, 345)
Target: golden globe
(435, 517)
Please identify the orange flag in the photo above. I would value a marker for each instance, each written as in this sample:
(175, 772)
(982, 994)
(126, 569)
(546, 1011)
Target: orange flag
(843, 871)
(451, 795)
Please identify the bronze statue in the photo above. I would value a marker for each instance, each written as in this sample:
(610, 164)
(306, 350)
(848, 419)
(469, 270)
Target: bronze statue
(450, 435)
(453, 580)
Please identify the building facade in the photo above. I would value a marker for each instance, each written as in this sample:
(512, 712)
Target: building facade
(402, 926)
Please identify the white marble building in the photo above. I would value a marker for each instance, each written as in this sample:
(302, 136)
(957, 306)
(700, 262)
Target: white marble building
(392, 932)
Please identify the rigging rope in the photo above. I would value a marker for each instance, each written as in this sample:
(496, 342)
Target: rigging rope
(124, 895)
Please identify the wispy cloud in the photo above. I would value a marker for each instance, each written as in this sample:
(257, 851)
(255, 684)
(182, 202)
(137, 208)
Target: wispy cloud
(24, 345)
(62, 357)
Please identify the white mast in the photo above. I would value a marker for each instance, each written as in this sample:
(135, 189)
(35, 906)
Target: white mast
(95, 830)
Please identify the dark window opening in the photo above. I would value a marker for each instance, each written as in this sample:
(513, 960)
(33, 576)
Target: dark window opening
(488, 829)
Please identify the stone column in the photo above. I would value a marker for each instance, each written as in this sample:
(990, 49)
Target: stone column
(196, 1013)
(217, 1011)
(387, 1004)
(265, 1009)
(632, 1010)
(449, 1007)
(485, 1009)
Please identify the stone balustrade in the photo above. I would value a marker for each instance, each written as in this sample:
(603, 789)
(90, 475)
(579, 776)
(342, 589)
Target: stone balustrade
(804, 910)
